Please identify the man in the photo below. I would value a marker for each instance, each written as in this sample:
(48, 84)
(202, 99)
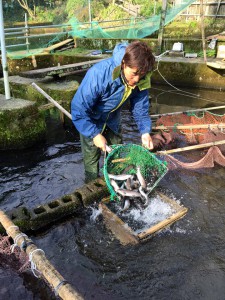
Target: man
(97, 104)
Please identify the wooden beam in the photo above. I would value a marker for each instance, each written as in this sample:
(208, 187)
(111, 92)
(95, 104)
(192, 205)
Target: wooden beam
(58, 45)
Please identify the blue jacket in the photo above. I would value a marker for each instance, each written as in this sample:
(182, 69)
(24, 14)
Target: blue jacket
(101, 91)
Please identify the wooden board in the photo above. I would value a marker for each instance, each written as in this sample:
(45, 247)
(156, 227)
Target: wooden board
(58, 45)
(59, 70)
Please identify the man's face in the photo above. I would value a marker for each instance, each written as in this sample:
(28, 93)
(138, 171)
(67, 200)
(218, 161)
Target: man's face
(131, 75)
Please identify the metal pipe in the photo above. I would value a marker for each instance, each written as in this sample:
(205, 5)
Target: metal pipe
(14, 33)
(14, 28)
(26, 32)
(4, 56)
(10, 46)
(39, 35)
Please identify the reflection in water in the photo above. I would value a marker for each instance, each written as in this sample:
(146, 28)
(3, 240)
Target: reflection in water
(186, 261)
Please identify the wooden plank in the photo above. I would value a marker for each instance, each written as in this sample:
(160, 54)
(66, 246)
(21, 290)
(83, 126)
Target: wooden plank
(58, 45)
(53, 71)
(120, 229)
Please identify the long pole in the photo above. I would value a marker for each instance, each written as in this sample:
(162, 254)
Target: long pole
(203, 30)
(187, 111)
(200, 146)
(26, 32)
(89, 10)
(4, 56)
(52, 100)
(162, 24)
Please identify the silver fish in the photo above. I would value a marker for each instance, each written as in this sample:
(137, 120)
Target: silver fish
(145, 196)
(128, 193)
(141, 178)
(126, 205)
(114, 185)
(128, 184)
(121, 177)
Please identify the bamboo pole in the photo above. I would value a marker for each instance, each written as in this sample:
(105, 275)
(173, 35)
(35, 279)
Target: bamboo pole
(197, 126)
(54, 278)
(164, 152)
(187, 111)
(52, 100)
(163, 223)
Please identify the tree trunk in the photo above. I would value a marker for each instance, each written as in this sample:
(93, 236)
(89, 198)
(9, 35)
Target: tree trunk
(24, 4)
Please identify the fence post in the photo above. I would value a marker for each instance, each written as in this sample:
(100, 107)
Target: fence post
(4, 55)
(26, 32)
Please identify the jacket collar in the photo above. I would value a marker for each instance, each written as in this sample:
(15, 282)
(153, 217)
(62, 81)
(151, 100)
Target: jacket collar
(143, 84)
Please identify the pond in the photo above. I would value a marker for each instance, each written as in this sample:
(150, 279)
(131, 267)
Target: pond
(185, 261)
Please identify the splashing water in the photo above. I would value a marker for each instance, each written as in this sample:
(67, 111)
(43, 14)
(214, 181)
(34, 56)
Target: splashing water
(95, 214)
(155, 212)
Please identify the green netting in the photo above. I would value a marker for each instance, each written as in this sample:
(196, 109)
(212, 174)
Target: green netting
(133, 28)
(125, 159)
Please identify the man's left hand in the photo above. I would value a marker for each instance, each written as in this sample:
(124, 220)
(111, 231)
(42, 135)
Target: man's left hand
(147, 141)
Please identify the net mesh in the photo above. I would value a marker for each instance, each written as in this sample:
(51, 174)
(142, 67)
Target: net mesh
(207, 133)
(125, 159)
(213, 155)
(16, 260)
(191, 134)
(79, 26)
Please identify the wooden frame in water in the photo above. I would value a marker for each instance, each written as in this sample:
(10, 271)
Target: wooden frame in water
(125, 234)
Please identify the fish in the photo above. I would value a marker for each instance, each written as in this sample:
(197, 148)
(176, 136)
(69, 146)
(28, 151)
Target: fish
(120, 177)
(126, 205)
(128, 193)
(141, 178)
(114, 185)
(144, 195)
(128, 184)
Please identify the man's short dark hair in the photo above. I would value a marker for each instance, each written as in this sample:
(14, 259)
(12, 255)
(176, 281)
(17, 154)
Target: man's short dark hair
(139, 55)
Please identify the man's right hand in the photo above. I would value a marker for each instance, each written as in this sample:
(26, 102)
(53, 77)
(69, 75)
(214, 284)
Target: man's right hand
(100, 142)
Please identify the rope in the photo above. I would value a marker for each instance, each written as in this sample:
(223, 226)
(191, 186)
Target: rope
(63, 282)
(12, 226)
(17, 237)
(185, 93)
(33, 265)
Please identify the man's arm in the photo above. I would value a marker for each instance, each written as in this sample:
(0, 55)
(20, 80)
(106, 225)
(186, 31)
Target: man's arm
(83, 103)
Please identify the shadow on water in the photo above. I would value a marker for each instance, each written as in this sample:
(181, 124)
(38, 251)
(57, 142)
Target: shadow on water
(186, 261)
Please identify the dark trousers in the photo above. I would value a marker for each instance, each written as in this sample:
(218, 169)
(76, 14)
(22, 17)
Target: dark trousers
(92, 154)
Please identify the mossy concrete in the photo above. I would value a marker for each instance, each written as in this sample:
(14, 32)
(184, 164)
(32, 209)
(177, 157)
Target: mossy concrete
(189, 72)
(61, 90)
(21, 124)
(190, 44)
(48, 213)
